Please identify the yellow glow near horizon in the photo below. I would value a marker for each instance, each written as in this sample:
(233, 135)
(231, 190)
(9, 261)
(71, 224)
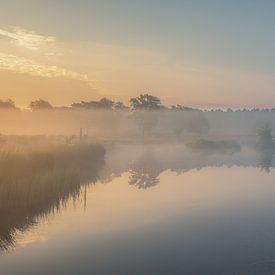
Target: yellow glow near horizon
(37, 66)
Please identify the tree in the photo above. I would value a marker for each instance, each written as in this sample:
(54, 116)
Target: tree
(265, 138)
(103, 103)
(146, 120)
(186, 120)
(145, 107)
(176, 116)
(266, 147)
(179, 107)
(7, 104)
(40, 104)
(145, 102)
(120, 106)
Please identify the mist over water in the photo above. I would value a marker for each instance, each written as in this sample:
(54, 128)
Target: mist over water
(125, 124)
(150, 199)
(151, 191)
(137, 137)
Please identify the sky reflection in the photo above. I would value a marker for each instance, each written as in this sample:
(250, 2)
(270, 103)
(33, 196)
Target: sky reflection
(222, 210)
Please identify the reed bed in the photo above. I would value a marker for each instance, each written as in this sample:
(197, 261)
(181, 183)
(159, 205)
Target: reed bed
(37, 181)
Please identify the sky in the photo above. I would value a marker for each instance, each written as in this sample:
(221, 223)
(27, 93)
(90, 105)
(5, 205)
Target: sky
(214, 53)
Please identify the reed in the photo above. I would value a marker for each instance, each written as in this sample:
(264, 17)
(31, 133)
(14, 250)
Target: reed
(34, 183)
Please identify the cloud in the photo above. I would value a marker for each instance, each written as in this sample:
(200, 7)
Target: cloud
(22, 65)
(27, 39)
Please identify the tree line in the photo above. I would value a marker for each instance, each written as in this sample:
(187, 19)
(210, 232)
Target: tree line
(141, 102)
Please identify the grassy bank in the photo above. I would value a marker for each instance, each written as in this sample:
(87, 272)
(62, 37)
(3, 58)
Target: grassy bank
(37, 181)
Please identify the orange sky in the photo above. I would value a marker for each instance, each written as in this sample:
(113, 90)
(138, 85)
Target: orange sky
(222, 60)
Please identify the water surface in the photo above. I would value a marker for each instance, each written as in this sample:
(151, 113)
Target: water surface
(157, 211)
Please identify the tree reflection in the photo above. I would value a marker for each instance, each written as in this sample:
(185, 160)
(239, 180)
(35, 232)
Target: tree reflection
(266, 160)
(36, 185)
(144, 173)
(266, 147)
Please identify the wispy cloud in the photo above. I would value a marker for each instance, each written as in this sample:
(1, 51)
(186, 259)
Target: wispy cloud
(22, 65)
(27, 39)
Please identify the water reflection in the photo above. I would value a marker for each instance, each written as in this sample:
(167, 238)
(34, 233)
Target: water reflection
(266, 160)
(144, 172)
(266, 147)
(146, 162)
(35, 187)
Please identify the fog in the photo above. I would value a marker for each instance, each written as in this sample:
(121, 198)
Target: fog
(154, 125)
(53, 159)
(40, 174)
(49, 154)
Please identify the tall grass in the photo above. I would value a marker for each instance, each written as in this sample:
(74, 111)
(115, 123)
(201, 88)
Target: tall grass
(36, 182)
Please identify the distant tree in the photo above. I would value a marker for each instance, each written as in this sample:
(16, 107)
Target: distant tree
(176, 118)
(266, 147)
(265, 138)
(82, 104)
(145, 107)
(103, 103)
(179, 107)
(7, 104)
(146, 121)
(145, 102)
(120, 106)
(176, 123)
(186, 120)
(40, 104)
(106, 103)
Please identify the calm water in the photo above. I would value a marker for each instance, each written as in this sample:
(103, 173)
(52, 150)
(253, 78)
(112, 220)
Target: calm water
(157, 211)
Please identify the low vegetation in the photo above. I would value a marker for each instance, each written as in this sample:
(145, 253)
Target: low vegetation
(218, 146)
(36, 182)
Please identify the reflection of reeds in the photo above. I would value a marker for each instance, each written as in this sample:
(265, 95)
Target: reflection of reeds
(33, 184)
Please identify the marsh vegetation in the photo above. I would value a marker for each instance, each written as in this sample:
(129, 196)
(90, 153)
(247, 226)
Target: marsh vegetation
(38, 180)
